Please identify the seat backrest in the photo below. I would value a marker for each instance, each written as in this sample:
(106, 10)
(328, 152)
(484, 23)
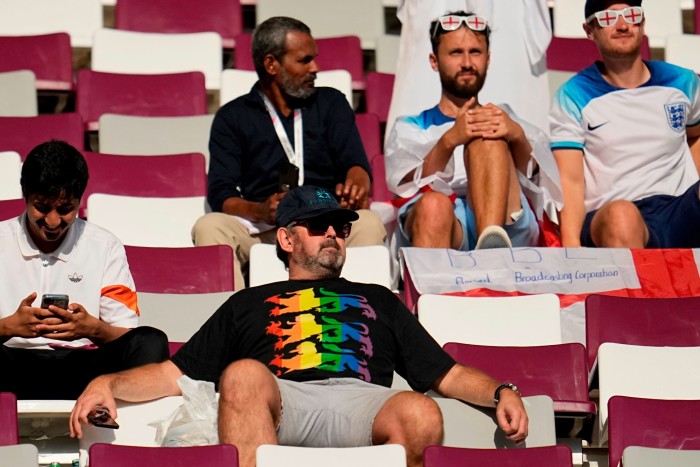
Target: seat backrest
(114, 455)
(22, 134)
(49, 56)
(10, 208)
(221, 16)
(178, 315)
(165, 95)
(18, 94)
(380, 191)
(387, 53)
(443, 456)
(558, 371)
(555, 80)
(637, 456)
(9, 428)
(79, 18)
(172, 176)
(681, 50)
(337, 79)
(11, 170)
(370, 133)
(243, 54)
(136, 135)
(117, 51)
(641, 321)
(571, 53)
(19, 455)
(380, 87)
(468, 426)
(576, 53)
(236, 83)
(142, 221)
(652, 423)
(567, 18)
(366, 264)
(186, 270)
(663, 18)
(386, 455)
(330, 18)
(342, 53)
(650, 372)
(517, 321)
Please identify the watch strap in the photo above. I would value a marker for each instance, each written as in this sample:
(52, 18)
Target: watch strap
(497, 393)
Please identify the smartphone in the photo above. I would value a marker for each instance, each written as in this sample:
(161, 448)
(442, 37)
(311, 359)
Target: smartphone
(288, 176)
(59, 300)
(99, 416)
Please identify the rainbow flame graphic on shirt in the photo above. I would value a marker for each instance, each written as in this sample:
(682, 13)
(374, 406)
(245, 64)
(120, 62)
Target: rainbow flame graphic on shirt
(318, 329)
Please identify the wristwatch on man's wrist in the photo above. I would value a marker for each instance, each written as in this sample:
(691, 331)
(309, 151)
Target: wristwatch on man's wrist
(497, 394)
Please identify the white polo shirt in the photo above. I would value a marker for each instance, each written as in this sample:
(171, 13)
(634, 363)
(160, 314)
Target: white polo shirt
(90, 267)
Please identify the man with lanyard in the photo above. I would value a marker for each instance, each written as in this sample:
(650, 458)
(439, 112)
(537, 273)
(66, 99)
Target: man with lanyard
(625, 137)
(284, 133)
(465, 166)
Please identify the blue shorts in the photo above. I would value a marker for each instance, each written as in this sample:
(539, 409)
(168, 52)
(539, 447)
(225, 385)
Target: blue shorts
(523, 232)
(673, 221)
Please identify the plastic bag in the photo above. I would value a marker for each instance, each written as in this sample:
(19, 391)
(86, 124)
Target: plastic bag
(194, 423)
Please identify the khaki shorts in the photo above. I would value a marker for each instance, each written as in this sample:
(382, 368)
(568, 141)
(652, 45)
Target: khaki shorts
(336, 412)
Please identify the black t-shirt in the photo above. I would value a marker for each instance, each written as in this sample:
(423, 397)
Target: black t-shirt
(312, 330)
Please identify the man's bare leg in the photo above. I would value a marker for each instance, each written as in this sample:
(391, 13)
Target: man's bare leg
(431, 222)
(249, 408)
(494, 191)
(619, 224)
(412, 420)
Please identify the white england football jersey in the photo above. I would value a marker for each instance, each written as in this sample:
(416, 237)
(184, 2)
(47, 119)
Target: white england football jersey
(633, 140)
(412, 138)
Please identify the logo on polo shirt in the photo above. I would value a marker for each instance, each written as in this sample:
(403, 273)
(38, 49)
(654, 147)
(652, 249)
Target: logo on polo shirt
(75, 277)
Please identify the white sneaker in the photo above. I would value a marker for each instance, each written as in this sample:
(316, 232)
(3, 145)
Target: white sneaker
(493, 236)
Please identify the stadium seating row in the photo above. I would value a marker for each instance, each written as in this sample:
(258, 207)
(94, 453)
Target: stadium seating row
(644, 390)
(171, 94)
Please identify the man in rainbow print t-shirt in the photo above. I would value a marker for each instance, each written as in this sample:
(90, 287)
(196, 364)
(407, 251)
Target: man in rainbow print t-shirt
(310, 361)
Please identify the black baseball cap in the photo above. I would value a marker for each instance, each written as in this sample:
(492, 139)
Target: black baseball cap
(599, 5)
(306, 201)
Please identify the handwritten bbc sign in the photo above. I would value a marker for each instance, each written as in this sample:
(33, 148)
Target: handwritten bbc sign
(526, 270)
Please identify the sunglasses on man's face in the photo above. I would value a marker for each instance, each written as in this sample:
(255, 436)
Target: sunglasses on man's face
(318, 227)
(453, 22)
(607, 18)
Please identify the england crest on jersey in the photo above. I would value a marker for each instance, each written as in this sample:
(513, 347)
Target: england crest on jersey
(676, 115)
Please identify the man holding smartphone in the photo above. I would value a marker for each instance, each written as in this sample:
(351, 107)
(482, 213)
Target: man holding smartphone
(282, 134)
(88, 323)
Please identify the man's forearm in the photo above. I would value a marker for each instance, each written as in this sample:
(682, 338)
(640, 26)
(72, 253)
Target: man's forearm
(521, 151)
(240, 207)
(105, 332)
(572, 217)
(144, 383)
(438, 157)
(467, 384)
